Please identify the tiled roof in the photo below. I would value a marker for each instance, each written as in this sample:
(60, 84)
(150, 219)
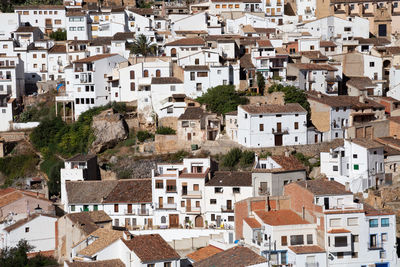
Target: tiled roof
(88, 220)
(366, 143)
(232, 113)
(248, 29)
(101, 41)
(81, 158)
(227, 178)
(314, 55)
(343, 101)
(393, 142)
(310, 66)
(58, 49)
(130, 191)
(26, 29)
(104, 238)
(165, 80)
(380, 41)
(280, 217)
(88, 192)
(253, 223)
(122, 36)
(94, 58)
(24, 221)
(10, 195)
(142, 11)
(264, 43)
(245, 62)
(237, 256)
(395, 119)
(361, 83)
(327, 44)
(75, 13)
(196, 67)
(105, 263)
(192, 113)
(242, 1)
(288, 163)
(393, 50)
(39, 7)
(338, 231)
(265, 30)
(306, 249)
(191, 32)
(371, 211)
(272, 109)
(324, 187)
(203, 253)
(186, 42)
(151, 248)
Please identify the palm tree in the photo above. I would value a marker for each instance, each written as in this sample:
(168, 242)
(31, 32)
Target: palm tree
(142, 46)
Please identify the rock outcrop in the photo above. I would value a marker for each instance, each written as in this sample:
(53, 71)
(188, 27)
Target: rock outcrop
(109, 129)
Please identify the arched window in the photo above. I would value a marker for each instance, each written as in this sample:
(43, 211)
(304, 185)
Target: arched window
(158, 73)
(173, 52)
(145, 73)
(132, 74)
(163, 219)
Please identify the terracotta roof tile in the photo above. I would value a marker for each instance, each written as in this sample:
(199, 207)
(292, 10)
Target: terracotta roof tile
(327, 44)
(40, 7)
(123, 36)
(366, 143)
(253, 223)
(361, 83)
(272, 109)
(203, 253)
(192, 113)
(314, 55)
(104, 238)
(264, 43)
(187, 42)
(142, 11)
(343, 101)
(105, 263)
(27, 29)
(310, 66)
(94, 58)
(237, 256)
(338, 231)
(165, 80)
(246, 62)
(58, 48)
(321, 187)
(196, 67)
(130, 191)
(306, 249)
(151, 248)
(88, 220)
(280, 217)
(88, 192)
(227, 178)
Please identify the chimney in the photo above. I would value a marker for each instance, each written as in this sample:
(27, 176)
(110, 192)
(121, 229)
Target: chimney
(303, 213)
(319, 95)
(268, 204)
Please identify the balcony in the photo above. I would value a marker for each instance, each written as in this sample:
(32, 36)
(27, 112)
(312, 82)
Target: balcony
(280, 131)
(375, 246)
(255, 9)
(227, 208)
(195, 210)
(166, 206)
(49, 25)
(348, 206)
(191, 194)
(129, 212)
(143, 212)
(170, 189)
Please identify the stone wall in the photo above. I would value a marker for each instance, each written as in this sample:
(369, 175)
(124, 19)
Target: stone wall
(167, 144)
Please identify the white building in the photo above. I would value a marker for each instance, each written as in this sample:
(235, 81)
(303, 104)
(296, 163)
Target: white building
(77, 25)
(221, 193)
(108, 22)
(11, 22)
(57, 61)
(359, 164)
(37, 229)
(49, 18)
(272, 125)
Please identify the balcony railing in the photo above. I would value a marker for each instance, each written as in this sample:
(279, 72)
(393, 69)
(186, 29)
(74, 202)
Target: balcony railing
(191, 194)
(167, 206)
(280, 131)
(255, 9)
(227, 208)
(143, 212)
(376, 245)
(193, 209)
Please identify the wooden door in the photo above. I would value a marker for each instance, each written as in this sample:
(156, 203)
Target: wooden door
(229, 204)
(316, 138)
(198, 221)
(130, 208)
(188, 205)
(127, 223)
(278, 140)
(150, 223)
(278, 127)
(189, 136)
(160, 202)
(173, 220)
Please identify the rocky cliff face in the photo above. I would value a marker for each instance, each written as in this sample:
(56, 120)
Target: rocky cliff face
(109, 129)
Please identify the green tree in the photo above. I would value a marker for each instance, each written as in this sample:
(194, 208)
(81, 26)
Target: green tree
(59, 35)
(143, 47)
(232, 157)
(222, 99)
(165, 130)
(143, 135)
(260, 82)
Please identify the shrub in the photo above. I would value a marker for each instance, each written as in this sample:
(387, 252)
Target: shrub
(124, 174)
(247, 158)
(178, 156)
(51, 166)
(265, 155)
(18, 167)
(232, 157)
(165, 130)
(143, 135)
(59, 35)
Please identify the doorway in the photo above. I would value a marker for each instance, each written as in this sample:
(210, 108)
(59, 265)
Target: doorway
(173, 220)
(198, 221)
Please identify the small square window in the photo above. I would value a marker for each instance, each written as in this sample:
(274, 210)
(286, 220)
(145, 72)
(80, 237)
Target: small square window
(213, 201)
(356, 167)
(26, 229)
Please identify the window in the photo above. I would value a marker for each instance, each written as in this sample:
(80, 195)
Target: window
(347, 29)
(382, 254)
(352, 221)
(150, 265)
(309, 239)
(335, 168)
(231, 218)
(340, 241)
(185, 124)
(43, 55)
(296, 240)
(385, 222)
(354, 255)
(158, 73)
(163, 219)
(170, 200)
(198, 86)
(212, 217)
(116, 208)
(395, 4)
(372, 64)
(172, 88)
(335, 222)
(261, 127)
(95, 207)
(132, 74)
(159, 184)
(57, 21)
(26, 229)
(384, 237)
(202, 74)
(218, 190)
(356, 167)
(92, 101)
(236, 190)
(196, 61)
(213, 201)
(192, 76)
(217, 6)
(237, 5)
(296, 125)
(167, 264)
(145, 73)
(284, 240)
(355, 156)
(354, 238)
(373, 223)
(73, 206)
